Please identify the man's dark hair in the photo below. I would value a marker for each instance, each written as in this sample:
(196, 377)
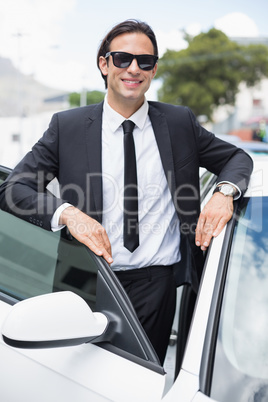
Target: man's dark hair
(128, 26)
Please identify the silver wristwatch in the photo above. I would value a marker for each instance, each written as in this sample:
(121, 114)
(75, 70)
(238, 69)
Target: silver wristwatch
(226, 189)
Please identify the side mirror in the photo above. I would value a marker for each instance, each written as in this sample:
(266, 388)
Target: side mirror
(52, 320)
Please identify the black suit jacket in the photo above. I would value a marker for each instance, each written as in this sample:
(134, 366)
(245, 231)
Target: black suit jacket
(71, 151)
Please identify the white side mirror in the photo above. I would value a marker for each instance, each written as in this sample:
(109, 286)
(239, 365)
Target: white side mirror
(52, 320)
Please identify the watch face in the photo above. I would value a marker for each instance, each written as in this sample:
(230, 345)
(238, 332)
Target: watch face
(226, 189)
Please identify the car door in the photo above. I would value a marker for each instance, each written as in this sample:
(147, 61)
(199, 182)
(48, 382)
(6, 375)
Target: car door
(226, 353)
(120, 365)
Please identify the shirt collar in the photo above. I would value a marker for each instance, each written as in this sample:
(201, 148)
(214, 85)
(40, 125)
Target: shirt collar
(114, 119)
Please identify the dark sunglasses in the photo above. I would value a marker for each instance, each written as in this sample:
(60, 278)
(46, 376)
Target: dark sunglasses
(123, 60)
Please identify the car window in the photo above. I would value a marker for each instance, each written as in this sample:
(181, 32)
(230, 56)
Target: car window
(207, 180)
(3, 173)
(241, 359)
(34, 261)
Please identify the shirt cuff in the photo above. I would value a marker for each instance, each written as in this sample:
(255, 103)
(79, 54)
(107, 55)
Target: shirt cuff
(55, 226)
(238, 195)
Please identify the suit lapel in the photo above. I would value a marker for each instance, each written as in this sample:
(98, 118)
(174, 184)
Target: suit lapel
(162, 136)
(93, 131)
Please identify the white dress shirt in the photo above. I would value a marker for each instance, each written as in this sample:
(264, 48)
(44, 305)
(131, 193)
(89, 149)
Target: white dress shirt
(158, 222)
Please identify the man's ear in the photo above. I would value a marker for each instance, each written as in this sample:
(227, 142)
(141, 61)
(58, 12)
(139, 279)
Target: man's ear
(103, 66)
(154, 70)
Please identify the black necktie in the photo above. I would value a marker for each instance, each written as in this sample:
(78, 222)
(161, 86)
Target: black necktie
(131, 230)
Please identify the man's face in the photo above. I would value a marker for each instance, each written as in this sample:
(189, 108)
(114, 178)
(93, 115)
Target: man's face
(127, 86)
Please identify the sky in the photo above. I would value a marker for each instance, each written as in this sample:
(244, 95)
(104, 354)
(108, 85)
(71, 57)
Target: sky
(56, 41)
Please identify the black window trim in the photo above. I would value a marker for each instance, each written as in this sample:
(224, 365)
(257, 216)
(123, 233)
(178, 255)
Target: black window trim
(5, 169)
(4, 297)
(151, 360)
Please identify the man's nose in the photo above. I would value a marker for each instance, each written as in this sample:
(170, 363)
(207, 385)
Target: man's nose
(133, 67)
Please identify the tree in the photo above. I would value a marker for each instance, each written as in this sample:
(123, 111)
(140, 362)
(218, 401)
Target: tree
(92, 97)
(208, 72)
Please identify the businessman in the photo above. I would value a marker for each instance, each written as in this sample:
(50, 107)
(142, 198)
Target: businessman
(128, 170)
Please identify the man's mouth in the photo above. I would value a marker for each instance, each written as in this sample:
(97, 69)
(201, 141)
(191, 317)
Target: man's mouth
(131, 81)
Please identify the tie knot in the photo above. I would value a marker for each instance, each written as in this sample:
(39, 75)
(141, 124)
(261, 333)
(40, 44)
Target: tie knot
(128, 126)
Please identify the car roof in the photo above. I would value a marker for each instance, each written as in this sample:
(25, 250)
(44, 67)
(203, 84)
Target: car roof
(254, 146)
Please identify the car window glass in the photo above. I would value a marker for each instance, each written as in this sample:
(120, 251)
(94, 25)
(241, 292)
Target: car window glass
(241, 360)
(205, 175)
(4, 172)
(34, 261)
(207, 180)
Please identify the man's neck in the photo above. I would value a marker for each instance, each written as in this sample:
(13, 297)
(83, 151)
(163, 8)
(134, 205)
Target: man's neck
(126, 108)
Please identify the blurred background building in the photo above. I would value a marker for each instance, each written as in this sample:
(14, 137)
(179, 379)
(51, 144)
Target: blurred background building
(250, 113)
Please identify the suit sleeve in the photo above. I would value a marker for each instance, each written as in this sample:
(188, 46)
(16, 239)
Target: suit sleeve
(24, 192)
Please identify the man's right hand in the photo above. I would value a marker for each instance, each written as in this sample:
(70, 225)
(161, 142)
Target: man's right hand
(88, 231)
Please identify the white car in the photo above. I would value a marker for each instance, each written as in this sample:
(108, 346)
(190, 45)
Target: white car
(69, 332)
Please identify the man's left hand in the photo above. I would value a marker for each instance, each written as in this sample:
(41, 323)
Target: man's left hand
(216, 213)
